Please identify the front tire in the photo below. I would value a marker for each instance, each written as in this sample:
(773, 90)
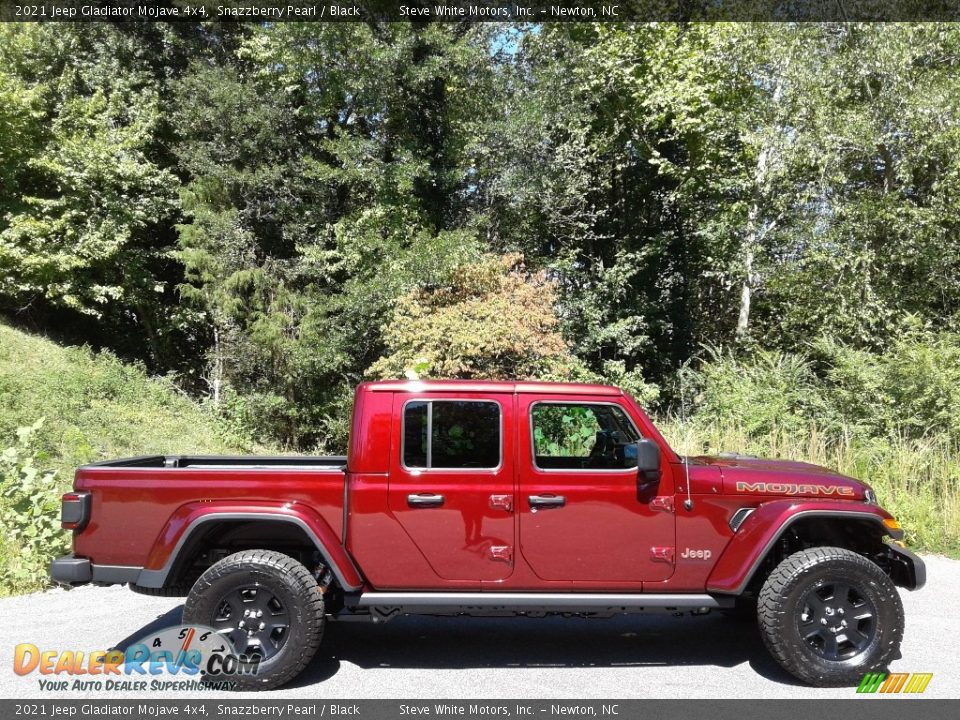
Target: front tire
(829, 616)
(266, 603)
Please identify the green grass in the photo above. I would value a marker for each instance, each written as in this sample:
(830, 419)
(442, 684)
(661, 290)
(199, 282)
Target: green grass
(95, 407)
(918, 481)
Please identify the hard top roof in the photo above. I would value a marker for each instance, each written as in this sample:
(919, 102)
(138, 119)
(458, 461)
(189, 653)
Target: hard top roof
(489, 386)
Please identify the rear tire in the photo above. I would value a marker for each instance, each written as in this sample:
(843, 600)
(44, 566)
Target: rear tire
(266, 603)
(829, 616)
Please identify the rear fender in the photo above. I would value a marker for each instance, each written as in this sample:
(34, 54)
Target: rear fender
(192, 517)
(757, 535)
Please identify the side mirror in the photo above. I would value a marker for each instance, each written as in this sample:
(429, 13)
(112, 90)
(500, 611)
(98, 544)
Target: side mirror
(648, 461)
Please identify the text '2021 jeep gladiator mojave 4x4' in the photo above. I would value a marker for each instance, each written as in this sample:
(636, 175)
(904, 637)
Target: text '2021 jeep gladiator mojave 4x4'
(498, 498)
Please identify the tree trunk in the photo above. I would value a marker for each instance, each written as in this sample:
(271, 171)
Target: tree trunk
(746, 290)
(751, 241)
(216, 374)
(756, 228)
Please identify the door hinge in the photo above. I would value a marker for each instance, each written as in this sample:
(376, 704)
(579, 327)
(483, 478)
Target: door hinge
(663, 503)
(662, 554)
(503, 553)
(503, 502)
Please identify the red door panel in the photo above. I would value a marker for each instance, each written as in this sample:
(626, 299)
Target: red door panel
(461, 519)
(607, 529)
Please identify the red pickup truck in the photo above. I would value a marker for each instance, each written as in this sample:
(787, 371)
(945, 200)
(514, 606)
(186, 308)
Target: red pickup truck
(492, 498)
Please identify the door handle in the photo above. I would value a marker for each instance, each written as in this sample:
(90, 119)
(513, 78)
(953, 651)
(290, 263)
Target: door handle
(546, 501)
(424, 500)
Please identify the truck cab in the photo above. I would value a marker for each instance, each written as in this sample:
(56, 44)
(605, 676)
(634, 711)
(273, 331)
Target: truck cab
(509, 485)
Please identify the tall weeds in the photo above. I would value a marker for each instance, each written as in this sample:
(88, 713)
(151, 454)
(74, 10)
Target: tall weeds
(917, 479)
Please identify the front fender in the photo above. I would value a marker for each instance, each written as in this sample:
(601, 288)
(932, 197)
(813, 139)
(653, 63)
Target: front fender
(190, 517)
(758, 533)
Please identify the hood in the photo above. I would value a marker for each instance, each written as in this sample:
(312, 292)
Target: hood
(752, 476)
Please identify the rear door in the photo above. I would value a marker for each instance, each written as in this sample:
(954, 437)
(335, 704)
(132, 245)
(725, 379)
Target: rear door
(452, 482)
(585, 516)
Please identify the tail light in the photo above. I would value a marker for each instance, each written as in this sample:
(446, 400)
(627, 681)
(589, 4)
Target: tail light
(74, 510)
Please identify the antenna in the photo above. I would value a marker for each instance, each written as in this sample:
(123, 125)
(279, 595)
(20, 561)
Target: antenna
(688, 503)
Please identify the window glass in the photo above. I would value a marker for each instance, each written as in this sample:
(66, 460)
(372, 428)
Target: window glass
(582, 436)
(451, 434)
(415, 434)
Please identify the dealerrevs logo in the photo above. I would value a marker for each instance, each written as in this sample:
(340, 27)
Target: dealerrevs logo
(765, 488)
(184, 657)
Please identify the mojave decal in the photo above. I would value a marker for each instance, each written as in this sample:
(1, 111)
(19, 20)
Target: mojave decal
(794, 489)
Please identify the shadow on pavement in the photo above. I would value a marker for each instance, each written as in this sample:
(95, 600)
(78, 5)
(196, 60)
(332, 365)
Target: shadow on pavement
(167, 619)
(464, 643)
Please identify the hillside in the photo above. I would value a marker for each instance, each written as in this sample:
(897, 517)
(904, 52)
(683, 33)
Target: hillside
(93, 407)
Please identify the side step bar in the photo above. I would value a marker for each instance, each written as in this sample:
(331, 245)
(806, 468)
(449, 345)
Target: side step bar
(425, 603)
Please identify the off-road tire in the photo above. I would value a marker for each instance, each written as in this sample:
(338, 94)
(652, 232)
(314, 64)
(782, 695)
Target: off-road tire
(788, 609)
(294, 588)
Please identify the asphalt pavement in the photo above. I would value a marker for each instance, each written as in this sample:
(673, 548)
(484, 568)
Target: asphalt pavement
(639, 656)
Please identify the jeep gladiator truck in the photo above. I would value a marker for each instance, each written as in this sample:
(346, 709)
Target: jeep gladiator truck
(498, 498)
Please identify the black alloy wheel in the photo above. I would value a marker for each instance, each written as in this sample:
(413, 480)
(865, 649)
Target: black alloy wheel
(837, 621)
(254, 619)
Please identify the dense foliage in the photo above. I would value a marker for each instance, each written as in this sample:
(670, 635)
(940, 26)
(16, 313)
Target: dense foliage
(752, 225)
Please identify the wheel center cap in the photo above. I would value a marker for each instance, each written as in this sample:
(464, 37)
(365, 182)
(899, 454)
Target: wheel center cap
(838, 628)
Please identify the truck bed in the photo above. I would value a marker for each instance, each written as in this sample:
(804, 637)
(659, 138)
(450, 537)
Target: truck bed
(140, 504)
(228, 462)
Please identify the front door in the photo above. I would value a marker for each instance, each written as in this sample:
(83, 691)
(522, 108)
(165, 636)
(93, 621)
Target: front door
(452, 485)
(585, 516)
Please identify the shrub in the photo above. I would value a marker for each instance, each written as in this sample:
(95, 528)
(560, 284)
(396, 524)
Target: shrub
(911, 389)
(889, 418)
(29, 503)
(98, 407)
(493, 320)
(760, 393)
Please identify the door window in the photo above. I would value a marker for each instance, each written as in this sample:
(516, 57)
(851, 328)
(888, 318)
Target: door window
(451, 434)
(580, 436)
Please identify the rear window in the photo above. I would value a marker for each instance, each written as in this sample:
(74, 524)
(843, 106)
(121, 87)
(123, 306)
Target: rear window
(451, 434)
